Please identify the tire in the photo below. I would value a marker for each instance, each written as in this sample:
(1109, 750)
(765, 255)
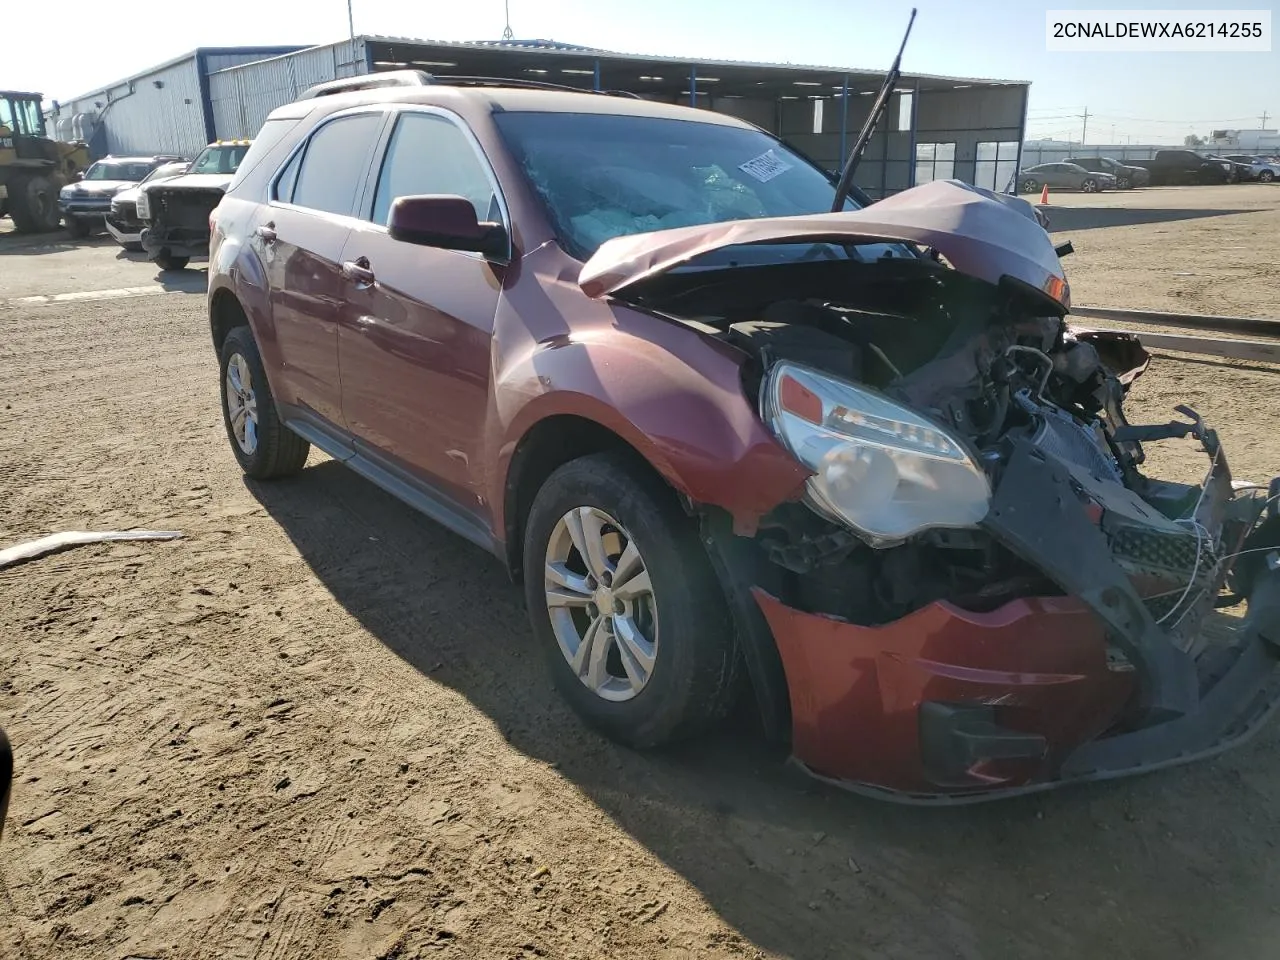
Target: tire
(1089, 185)
(167, 261)
(1266, 176)
(276, 451)
(132, 247)
(1030, 186)
(76, 227)
(1124, 184)
(692, 680)
(33, 205)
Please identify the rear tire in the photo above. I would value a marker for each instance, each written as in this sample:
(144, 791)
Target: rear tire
(167, 261)
(274, 450)
(691, 677)
(1030, 186)
(1266, 176)
(1089, 185)
(33, 205)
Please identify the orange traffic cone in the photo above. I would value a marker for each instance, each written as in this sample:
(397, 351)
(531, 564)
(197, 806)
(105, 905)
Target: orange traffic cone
(1044, 196)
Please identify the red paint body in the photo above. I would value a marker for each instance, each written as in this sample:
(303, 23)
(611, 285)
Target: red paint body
(856, 691)
(442, 362)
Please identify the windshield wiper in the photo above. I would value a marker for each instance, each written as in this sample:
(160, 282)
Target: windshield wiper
(869, 128)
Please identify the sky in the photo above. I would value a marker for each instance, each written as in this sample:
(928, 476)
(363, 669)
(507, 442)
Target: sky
(1130, 97)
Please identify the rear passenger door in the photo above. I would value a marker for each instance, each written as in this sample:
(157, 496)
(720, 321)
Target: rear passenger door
(417, 321)
(311, 213)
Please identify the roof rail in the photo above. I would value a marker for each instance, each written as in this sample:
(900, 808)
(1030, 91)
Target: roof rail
(371, 81)
(420, 78)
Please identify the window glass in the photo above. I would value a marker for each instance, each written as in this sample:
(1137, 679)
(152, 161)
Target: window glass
(430, 155)
(6, 114)
(272, 132)
(334, 164)
(600, 176)
(935, 161)
(29, 120)
(997, 164)
(289, 178)
(117, 170)
(220, 158)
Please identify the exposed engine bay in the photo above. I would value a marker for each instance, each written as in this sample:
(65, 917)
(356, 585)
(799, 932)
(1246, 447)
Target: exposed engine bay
(997, 366)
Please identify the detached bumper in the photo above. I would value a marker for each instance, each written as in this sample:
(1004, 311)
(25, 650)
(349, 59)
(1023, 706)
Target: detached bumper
(954, 706)
(123, 232)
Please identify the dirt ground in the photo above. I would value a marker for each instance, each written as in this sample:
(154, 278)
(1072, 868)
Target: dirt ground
(315, 726)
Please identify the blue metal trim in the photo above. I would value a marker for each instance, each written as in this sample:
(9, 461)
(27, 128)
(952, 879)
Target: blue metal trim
(844, 121)
(911, 155)
(368, 57)
(597, 75)
(1022, 135)
(206, 98)
(693, 84)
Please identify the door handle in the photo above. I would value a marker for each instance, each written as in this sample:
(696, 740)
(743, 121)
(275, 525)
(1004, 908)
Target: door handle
(267, 232)
(358, 272)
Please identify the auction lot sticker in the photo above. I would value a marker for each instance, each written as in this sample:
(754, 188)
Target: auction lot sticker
(765, 167)
(1158, 31)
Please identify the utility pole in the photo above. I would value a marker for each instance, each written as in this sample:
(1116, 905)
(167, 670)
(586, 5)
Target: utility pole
(351, 23)
(1264, 119)
(1084, 128)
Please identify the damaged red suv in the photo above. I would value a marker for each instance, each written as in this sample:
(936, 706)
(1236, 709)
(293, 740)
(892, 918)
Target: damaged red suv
(713, 429)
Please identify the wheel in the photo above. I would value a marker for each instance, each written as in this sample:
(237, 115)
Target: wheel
(33, 205)
(1089, 185)
(132, 247)
(1124, 183)
(167, 261)
(1266, 176)
(625, 605)
(265, 448)
(1030, 186)
(76, 227)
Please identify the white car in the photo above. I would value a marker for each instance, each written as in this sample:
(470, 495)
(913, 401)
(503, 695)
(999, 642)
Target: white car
(123, 221)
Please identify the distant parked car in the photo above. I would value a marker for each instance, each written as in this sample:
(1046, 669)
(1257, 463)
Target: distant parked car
(1173, 167)
(1238, 171)
(1064, 176)
(1127, 176)
(123, 222)
(177, 210)
(1264, 170)
(85, 203)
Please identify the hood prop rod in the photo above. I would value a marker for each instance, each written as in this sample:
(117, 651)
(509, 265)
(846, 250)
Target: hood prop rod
(869, 127)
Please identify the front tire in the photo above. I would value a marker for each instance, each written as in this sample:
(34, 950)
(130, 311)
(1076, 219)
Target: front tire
(264, 447)
(1030, 186)
(1090, 185)
(76, 227)
(167, 261)
(625, 604)
(1266, 176)
(33, 205)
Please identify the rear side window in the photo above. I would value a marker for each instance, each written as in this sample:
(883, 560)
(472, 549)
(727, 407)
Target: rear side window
(430, 155)
(334, 164)
(272, 132)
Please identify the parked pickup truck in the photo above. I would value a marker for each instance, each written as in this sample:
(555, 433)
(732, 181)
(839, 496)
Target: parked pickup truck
(1170, 167)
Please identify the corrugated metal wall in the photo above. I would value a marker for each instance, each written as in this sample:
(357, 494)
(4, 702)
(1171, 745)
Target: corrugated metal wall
(243, 96)
(141, 118)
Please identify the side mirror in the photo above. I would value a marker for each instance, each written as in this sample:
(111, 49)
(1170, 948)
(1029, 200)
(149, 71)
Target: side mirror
(447, 222)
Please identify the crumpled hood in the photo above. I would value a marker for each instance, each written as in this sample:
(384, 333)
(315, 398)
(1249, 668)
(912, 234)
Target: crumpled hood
(193, 181)
(983, 234)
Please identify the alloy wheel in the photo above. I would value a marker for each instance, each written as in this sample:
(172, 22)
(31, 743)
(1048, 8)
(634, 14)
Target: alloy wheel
(1089, 186)
(601, 604)
(242, 404)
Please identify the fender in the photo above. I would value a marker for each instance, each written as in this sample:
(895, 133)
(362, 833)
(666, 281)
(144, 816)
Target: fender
(673, 394)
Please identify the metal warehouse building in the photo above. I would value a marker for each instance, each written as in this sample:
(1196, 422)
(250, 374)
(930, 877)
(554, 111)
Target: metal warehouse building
(936, 127)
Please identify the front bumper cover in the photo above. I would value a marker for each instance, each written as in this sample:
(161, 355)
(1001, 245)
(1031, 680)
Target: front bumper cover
(947, 705)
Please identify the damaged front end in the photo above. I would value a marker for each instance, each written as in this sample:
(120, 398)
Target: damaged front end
(179, 221)
(981, 592)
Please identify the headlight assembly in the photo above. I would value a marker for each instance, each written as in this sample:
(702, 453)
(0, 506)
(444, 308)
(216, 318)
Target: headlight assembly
(879, 467)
